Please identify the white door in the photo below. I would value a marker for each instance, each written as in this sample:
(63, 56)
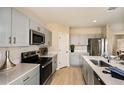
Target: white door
(63, 49)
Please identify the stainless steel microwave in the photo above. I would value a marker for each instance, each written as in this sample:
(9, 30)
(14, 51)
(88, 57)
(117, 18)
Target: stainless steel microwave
(36, 38)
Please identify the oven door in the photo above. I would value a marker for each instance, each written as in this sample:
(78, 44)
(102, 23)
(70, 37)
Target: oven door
(36, 38)
(46, 71)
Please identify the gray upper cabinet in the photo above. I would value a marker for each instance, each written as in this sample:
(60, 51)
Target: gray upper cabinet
(20, 29)
(78, 40)
(5, 27)
(37, 27)
(48, 38)
(14, 28)
(34, 26)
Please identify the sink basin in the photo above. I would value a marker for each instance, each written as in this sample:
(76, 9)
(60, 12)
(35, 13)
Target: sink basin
(99, 63)
(122, 63)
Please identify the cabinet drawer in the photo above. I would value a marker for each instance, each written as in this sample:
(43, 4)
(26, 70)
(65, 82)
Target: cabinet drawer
(30, 75)
(30, 78)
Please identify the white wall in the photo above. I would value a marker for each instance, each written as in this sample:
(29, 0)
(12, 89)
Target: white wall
(55, 28)
(117, 29)
(86, 31)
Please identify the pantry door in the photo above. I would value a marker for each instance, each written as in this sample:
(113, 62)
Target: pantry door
(63, 49)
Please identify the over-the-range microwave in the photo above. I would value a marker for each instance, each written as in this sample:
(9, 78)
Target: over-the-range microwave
(36, 38)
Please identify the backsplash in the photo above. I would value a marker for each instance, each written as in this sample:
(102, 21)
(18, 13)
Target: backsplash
(81, 48)
(15, 53)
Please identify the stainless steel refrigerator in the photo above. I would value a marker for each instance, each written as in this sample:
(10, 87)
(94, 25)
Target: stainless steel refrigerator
(96, 46)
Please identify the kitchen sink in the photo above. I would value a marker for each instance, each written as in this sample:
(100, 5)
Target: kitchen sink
(99, 63)
(122, 63)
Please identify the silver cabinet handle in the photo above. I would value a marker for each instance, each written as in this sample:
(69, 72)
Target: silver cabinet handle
(10, 40)
(26, 79)
(14, 40)
(66, 51)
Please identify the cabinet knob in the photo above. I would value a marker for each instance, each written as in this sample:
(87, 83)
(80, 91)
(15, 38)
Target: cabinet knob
(67, 52)
(26, 79)
(10, 40)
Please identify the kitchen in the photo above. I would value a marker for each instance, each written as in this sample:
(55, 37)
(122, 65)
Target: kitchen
(35, 51)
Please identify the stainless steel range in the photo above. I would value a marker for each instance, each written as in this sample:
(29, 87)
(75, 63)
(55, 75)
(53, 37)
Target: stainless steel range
(45, 64)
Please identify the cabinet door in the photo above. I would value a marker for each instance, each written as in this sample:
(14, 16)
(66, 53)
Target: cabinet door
(90, 75)
(20, 29)
(82, 40)
(31, 78)
(48, 37)
(5, 27)
(34, 26)
(54, 64)
(74, 60)
(32, 81)
(74, 40)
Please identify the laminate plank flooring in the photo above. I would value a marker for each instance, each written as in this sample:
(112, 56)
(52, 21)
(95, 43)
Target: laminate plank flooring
(68, 76)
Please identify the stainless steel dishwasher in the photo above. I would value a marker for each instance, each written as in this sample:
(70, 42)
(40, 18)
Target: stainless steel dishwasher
(97, 80)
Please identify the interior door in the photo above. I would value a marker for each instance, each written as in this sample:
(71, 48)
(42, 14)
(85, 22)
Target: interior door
(63, 49)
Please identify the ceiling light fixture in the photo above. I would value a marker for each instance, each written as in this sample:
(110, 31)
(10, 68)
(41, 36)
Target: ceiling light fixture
(94, 21)
(112, 8)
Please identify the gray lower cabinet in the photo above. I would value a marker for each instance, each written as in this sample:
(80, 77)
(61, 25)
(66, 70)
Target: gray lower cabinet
(30, 78)
(87, 73)
(74, 59)
(54, 63)
(48, 37)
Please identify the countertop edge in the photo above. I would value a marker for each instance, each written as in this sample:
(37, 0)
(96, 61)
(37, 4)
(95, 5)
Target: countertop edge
(23, 74)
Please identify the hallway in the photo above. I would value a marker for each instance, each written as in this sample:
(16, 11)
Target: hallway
(68, 76)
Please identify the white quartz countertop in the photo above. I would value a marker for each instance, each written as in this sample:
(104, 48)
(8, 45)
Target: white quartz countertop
(7, 77)
(48, 55)
(106, 78)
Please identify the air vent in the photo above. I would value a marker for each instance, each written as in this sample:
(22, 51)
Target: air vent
(111, 8)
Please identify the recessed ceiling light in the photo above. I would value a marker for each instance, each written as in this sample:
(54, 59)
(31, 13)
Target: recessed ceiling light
(111, 8)
(94, 21)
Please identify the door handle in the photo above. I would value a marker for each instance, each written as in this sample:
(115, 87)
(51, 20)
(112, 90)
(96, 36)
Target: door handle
(14, 40)
(26, 79)
(10, 40)
(66, 51)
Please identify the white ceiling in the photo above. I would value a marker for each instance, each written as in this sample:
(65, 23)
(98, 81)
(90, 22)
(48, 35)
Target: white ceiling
(78, 16)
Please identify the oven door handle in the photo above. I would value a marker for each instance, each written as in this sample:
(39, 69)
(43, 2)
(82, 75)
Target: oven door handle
(46, 64)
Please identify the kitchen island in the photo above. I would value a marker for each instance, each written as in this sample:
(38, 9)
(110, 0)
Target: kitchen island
(88, 69)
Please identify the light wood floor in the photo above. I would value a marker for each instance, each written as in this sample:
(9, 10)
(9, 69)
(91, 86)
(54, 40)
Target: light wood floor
(68, 76)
